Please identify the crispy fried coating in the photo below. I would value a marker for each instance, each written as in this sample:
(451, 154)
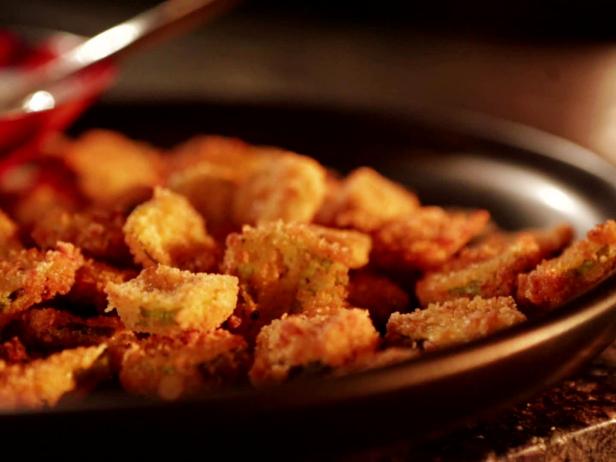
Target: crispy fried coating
(292, 267)
(168, 230)
(32, 276)
(43, 382)
(378, 359)
(453, 322)
(426, 239)
(184, 365)
(581, 266)
(365, 200)
(232, 153)
(91, 279)
(377, 293)
(9, 240)
(97, 232)
(111, 167)
(491, 268)
(165, 300)
(210, 188)
(299, 345)
(13, 351)
(289, 187)
(52, 329)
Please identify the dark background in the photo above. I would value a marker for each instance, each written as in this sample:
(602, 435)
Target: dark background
(550, 64)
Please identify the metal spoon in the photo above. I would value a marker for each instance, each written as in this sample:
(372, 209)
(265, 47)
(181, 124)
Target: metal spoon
(21, 90)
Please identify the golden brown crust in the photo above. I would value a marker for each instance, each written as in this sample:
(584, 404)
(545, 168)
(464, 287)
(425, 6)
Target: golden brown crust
(378, 359)
(43, 382)
(97, 232)
(426, 239)
(299, 344)
(187, 364)
(490, 268)
(290, 267)
(9, 239)
(31, 276)
(167, 230)
(462, 320)
(366, 200)
(581, 266)
(377, 293)
(51, 329)
(288, 187)
(111, 167)
(165, 300)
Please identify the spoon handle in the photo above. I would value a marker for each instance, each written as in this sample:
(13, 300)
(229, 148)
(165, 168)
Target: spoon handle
(165, 19)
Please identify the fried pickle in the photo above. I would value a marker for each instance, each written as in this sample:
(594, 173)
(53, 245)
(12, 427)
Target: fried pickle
(491, 268)
(426, 239)
(582, 265)
(97, 232)
(31, 276)
(111, 168)
(366, 200)
(289, 187)
(167, 230)
(51, 329)
(291, 267)
(43, 382)
(186, 364)
(452, 323)
(300, 345)
(378, 294)
(165, 300)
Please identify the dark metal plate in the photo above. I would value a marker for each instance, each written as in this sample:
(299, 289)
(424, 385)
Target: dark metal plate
(523, 176)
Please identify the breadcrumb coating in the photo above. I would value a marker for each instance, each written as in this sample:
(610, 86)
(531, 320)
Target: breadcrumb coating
(111, 167)
(32, 276)
(298, 345)
(43, 382)
(291, 267)
(452, 323)
(97, 232)
(491, 268)
(289, 187)
(187, 364)
(377, 293)
(426, 239)
(378, 359)
(581, 266)
(52, 329)
(164, 300)
(365, 200)
(167, 230)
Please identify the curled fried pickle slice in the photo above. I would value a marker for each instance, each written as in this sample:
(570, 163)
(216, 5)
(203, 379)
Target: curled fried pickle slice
(52, 329)
(43, 382)
(168, 230)
(165, 300)
(31, 276)
(366, 200)
(91, 279)
(186, 364)
(426, 239)
(300, 345)
(291, 267)
(581, 266)
(111, 167)
(288, 186)
(490, 269)
(97, 232)
(377, 293)
(454, 322)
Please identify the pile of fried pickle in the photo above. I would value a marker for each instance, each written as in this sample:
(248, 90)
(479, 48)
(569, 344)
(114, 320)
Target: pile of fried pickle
(220, 264)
